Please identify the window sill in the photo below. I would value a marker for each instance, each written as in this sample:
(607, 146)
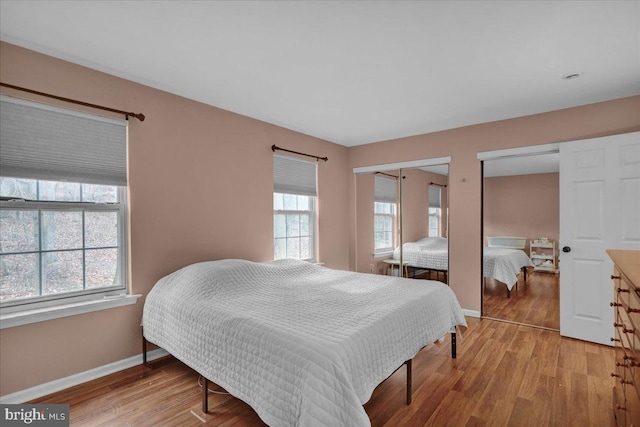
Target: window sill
(19, 318)
(384, 254)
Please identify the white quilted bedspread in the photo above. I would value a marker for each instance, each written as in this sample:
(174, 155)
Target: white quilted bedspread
(302, 344)
(505, 264)
(431, 253)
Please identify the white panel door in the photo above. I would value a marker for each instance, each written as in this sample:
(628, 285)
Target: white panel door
(599, 210)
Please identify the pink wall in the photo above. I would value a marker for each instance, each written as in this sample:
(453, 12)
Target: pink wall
(463, 144)
(522, 205)
(200, 187)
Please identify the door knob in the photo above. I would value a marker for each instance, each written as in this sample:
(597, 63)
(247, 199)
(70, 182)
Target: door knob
(566, 249)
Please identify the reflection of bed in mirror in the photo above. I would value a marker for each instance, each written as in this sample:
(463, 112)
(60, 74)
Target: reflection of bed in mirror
(425, 256)
(503, 259)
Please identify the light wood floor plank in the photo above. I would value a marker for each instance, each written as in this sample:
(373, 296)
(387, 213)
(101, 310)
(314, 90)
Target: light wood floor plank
(505, 375)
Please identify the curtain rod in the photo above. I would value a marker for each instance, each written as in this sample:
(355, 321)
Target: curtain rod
(138, 116)
(436, 184)
(275, 147)
(392, 176)
(386, 174)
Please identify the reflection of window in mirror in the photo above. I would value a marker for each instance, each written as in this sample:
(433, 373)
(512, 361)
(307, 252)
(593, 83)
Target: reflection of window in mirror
(383, 226)
(435, 211)
(384, 215)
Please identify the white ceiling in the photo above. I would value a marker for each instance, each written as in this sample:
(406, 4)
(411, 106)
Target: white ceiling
(350, 72)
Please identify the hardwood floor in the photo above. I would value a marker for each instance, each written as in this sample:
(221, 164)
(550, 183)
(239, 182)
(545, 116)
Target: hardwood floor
(536, 302)
(505, 375)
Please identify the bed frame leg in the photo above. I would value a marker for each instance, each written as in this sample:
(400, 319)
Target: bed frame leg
(508, 293)
(205, 395)
(408, 363)
(524, 270)
(144, 349)
(453, 345)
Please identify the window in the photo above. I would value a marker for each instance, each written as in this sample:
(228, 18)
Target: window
(384, 215)
(293, 225)
(59, 239)
(434, 211)
(294, 203)
(62, 206)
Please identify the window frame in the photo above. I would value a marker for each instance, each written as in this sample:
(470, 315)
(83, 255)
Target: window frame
(84, 295)
(312, 225)
(386, 250)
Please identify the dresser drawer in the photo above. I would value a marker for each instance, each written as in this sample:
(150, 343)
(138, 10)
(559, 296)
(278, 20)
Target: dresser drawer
(632, 372)
(626, 304)
(621, 357)
(619, 409)
(624, 289)
(625, 325)
(623, 375)
(632, 406)
(626, 332)
(632, 309)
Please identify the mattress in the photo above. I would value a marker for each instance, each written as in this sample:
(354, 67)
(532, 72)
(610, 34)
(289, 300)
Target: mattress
(303, 345)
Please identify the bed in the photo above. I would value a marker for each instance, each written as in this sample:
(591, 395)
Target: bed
(303, 345)
(431, 253)
(505, 265)
(503, 259)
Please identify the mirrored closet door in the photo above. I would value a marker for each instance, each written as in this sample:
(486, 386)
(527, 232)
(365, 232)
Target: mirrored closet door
(402, 221)
(424, 220)
(520, 243)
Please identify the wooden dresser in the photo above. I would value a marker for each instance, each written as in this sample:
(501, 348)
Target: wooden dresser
(626, 281)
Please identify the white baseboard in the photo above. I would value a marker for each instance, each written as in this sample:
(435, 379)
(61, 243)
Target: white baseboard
(471, 313)
(79, 378)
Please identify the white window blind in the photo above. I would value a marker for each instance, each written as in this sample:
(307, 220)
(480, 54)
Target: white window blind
(434, 196)
(293, 176)
(385, 189)
(43, 142)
